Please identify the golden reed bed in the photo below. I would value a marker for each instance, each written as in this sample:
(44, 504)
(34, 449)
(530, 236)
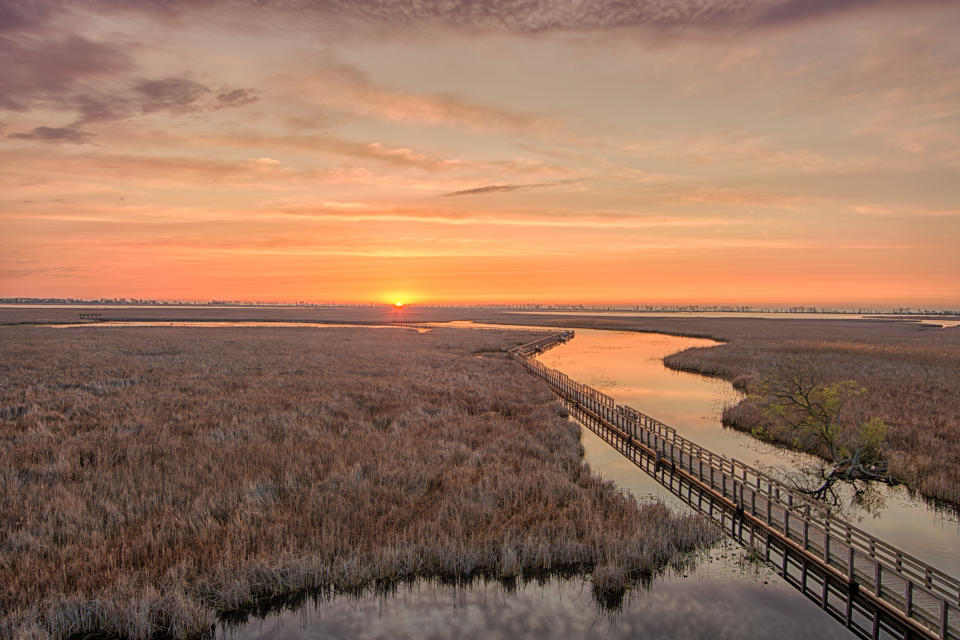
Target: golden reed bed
(911, 373)
(152, 478)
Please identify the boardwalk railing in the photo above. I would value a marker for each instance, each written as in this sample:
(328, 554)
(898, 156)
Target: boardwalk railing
(920, 600)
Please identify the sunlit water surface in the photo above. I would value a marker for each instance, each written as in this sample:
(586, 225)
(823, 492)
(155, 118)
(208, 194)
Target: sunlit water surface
(719, 600)
(629, 366)
(722, 596)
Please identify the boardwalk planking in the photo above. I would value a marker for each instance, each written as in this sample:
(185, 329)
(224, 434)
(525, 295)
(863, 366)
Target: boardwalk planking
(871, 586)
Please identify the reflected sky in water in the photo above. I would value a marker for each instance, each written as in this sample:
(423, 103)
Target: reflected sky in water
(629, 366)
(723, 596)
(721, 599)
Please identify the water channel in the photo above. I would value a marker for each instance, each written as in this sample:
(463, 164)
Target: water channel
(722, 596)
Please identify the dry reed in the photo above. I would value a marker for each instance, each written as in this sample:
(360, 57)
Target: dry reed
(911, 372)
(153, 478)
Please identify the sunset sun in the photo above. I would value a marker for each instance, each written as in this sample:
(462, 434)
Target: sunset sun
(329, 318)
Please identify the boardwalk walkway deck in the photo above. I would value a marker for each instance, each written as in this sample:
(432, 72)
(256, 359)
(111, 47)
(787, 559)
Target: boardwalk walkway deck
(875, 589)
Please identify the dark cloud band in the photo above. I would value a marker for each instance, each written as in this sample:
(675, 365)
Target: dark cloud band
(518, 16)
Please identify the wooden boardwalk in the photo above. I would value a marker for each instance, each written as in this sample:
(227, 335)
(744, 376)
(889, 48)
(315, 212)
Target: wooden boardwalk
(875, 589)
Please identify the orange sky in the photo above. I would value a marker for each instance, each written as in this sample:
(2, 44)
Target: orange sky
(773, 152)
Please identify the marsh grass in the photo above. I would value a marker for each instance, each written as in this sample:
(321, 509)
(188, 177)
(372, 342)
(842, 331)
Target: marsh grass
(153, 479)
(911, 372)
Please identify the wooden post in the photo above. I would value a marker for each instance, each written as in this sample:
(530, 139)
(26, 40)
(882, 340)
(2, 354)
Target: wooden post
(943, 618)
(849, 611)
(826, 540)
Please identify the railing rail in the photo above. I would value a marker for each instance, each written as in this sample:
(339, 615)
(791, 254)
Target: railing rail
(917, 590)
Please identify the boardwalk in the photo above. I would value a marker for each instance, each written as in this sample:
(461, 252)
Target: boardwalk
(875, 589)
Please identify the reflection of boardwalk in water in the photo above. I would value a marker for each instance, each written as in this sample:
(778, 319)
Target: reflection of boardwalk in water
(875, 589)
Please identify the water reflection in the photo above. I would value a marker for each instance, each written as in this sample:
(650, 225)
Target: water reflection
(723, 595)
(629, 367)
(726, 597)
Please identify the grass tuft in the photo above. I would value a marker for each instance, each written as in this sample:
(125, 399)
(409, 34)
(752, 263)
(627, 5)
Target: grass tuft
(162, 477)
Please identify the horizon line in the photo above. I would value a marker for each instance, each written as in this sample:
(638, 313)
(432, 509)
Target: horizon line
(549, 306)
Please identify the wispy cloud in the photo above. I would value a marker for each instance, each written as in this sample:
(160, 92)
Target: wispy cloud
(54, 134)
(334, 83)
(499, 188)
(597, 220)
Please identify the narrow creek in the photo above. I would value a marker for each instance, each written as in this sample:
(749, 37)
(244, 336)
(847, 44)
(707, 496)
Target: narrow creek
(722, 596)
(629, 366)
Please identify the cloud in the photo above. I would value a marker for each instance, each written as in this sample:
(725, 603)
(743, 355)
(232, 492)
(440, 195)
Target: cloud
(171, 94)
(235, 98)
(534, 16)
(48, 65)
(338, 146)
(495, 188)
(360, 212)
(180, 95)
(342, 86)
(54, 134)
(176, 95)
(23, 16)
(37, 69)
(70, 272)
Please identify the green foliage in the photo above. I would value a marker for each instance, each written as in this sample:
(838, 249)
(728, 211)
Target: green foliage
(799, 407)
(872, 434)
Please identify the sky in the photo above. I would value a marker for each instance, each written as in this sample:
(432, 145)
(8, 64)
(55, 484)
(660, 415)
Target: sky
(757, 152)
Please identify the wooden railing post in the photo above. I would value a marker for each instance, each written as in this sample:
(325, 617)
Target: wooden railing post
(909, 598)
(826, 541)
(944, 629)
(940, 593)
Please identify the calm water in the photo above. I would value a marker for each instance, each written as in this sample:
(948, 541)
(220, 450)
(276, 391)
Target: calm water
(629, 367)
(720, 600)
(722, 597)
